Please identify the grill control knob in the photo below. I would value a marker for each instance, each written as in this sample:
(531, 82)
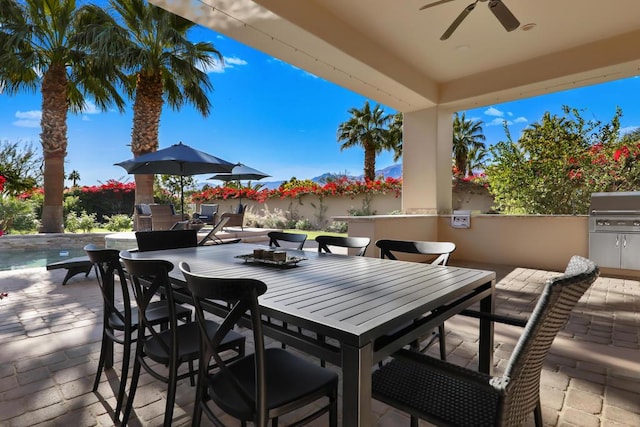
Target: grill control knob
(607, 223)
(636, 223)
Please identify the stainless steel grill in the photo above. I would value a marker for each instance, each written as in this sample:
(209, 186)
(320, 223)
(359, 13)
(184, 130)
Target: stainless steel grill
(614, 229)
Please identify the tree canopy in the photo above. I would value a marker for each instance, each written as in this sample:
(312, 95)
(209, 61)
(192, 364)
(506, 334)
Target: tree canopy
(558, 162)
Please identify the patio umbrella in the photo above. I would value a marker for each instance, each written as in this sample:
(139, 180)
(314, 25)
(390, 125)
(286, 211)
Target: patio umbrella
(179, 159)
(240, 172)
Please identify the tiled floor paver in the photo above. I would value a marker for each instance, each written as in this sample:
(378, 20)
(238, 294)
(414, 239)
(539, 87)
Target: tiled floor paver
(49, 341)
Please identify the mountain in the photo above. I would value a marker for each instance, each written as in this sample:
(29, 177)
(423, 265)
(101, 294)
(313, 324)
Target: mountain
(394, 171)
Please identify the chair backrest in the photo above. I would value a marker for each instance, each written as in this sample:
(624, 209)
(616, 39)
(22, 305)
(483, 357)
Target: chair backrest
(275, 237)
(163, 217)
(211, 235)
(149, 277)
(360, 243)
(166, 239)
(521, 379)
(208, 210)
(106, 262)
(439, 250)
(242, 295)
(235, 219)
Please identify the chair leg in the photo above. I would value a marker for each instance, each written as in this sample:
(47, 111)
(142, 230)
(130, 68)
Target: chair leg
(103, 351)
(133, 386)
(443, 342)
(537, 414)
(171, 392)
(414, 421)
(126, 355)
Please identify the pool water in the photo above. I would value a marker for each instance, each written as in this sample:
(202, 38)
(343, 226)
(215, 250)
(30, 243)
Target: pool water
(18, 259)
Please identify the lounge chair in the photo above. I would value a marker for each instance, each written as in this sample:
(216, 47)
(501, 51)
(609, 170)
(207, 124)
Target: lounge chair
(212, 239)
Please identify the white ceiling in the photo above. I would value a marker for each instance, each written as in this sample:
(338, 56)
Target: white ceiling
(391, 52)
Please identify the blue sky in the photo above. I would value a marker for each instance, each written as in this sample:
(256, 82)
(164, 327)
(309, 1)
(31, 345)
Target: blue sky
(276, 118)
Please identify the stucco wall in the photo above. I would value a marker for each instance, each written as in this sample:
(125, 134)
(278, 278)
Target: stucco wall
(536, 241)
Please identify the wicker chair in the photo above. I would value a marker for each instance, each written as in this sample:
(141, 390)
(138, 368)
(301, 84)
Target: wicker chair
(163, 217)
(447, 394)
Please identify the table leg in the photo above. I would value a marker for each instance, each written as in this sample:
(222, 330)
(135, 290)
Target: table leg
(356, 385)
(485, 347)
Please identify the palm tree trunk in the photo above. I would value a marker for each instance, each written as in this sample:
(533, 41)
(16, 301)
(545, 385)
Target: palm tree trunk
(54, 146)
(369, 163)
(147, 108)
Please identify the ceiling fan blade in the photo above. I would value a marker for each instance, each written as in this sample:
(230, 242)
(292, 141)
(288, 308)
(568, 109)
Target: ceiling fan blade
(437, 3)
(467, 10)
(504, 15)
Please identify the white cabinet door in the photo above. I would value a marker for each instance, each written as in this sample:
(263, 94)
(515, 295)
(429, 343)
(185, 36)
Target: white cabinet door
(604, 249)
(630, 254)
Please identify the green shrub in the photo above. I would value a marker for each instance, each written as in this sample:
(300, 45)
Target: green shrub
(17, 215)
(85, 222)
(338, 227)
(119, 222)
(304, 224)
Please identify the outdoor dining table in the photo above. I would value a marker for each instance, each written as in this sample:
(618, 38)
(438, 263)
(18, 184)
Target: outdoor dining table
(353, 302)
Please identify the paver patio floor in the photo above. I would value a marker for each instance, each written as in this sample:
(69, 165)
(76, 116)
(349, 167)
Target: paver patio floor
(49, 348)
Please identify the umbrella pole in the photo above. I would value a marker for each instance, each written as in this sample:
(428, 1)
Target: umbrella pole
(181, 197)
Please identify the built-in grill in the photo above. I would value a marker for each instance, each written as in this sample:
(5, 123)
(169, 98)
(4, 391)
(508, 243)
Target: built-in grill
(614, 229)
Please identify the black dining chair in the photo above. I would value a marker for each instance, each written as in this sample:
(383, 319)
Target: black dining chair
(166, 239)
(172, 347)
(261, 386)
(120, 324)
(276, 237)
(446, 394)
(325, 242)
(436, 253)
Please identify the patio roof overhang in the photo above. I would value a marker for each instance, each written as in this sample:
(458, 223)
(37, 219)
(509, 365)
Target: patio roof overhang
(391, 52)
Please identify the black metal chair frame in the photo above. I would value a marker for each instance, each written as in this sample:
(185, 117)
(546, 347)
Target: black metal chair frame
(441, 252)
(275, 237)
(260, 386)
(360, 243)
(170, 347)
(446, 394)
(106, 263)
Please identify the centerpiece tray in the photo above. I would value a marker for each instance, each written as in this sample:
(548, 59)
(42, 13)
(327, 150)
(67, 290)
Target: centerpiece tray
(289, 262)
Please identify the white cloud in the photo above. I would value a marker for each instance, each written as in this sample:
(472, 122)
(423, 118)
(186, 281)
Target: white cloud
(221, 66)
(86, 119)
(510, 114)
(520, 120)
(90, 108)
(28, 119)
(492, 111)
(498, 121)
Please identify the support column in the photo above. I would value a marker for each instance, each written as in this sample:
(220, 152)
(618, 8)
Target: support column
(426, 161)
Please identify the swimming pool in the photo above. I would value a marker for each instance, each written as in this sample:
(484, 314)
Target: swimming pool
(16, 259)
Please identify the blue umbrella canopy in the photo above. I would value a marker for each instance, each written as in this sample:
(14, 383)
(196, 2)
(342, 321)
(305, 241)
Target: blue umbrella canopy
(240, 172)
(179, 159)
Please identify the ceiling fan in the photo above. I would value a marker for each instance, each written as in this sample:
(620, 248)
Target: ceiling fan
(499, 9)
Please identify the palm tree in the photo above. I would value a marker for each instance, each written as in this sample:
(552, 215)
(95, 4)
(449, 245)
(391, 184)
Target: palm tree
(163, 66)
(476, 159)
(395, 135)
(74, 176)
(41, 45)
(467, 135)
(368, 128)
